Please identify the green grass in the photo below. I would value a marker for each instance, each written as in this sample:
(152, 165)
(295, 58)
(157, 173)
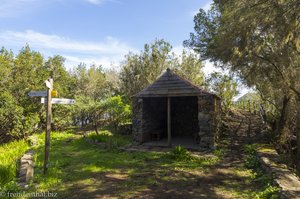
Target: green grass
(111, 141)
(77, 165)
(10, 155)
(258, 175)
(86, 169)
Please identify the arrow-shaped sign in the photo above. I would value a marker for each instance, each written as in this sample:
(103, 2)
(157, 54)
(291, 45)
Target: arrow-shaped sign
(49, 84)
(37, 94)
(59, 101)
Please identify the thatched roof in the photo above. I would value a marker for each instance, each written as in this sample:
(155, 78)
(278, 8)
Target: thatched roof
(170, 84)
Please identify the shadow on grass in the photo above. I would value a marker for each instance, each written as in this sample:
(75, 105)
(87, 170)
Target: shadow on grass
(79, 169)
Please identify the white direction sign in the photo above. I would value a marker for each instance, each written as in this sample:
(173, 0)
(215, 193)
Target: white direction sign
(48, 84)
(59, 101)
(37, 94)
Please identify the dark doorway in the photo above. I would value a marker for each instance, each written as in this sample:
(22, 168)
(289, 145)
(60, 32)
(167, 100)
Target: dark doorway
(155, 117)
(184, 118)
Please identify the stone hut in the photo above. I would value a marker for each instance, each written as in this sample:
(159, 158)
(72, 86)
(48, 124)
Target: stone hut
(173, 107)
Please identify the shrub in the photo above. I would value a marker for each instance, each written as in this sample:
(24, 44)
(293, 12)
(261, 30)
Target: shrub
(220, 152)
(180, 153)
(117, 112)
(251, 161)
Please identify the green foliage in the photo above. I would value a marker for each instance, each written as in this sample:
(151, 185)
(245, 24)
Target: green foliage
(220, 152)
(259, 46)
(21, 115)
(259, 41)
(270, 192)
(94, 101)
(117, 111)
(10, 154)
(10, 117)
(111, 141)
(189, 66)
(90, 82)
(225, 87)
(251, 161)
(259, 176)
(140, 70)
(74, 160)
(10, 187)
(180, 153)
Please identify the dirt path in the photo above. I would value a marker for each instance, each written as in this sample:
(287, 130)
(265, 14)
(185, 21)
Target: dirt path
(226, 179)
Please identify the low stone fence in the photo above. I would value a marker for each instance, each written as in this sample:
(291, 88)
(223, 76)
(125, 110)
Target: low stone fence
(283, 177)
(26, 168)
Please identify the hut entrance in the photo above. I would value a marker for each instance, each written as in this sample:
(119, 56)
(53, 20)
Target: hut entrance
(171, 110)
(183, 120)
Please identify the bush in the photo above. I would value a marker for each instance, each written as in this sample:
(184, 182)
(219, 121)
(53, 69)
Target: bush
(117, 112)
(220, 152)
(251, 161)
(16, 121)
(179, 153)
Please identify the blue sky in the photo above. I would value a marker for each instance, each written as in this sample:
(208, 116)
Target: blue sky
(95, 31)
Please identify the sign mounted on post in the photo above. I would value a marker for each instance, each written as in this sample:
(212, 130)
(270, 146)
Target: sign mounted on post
(54, 93)
(49, 101)
(49, 84)
(37, 94)
(59, 101)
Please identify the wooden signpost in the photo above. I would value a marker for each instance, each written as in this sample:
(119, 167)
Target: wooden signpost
(49, 101)
(49, 84)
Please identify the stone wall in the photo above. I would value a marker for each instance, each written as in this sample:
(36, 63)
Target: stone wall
(26, 168)
(137, 112)
(207, 118)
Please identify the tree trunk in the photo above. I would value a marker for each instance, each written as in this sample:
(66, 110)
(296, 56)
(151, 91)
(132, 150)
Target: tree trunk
(95, 121)
(298, 132)
(282, 120)
(96, 128)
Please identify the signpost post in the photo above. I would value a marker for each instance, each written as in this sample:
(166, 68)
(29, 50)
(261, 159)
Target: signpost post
(49, 101)
(49, 84)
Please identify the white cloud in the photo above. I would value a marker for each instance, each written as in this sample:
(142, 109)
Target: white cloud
(96, 2)
(178, 50)
(111, 50)
(210, 68)
(14, 7)
(36, 39)
(205, 7)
